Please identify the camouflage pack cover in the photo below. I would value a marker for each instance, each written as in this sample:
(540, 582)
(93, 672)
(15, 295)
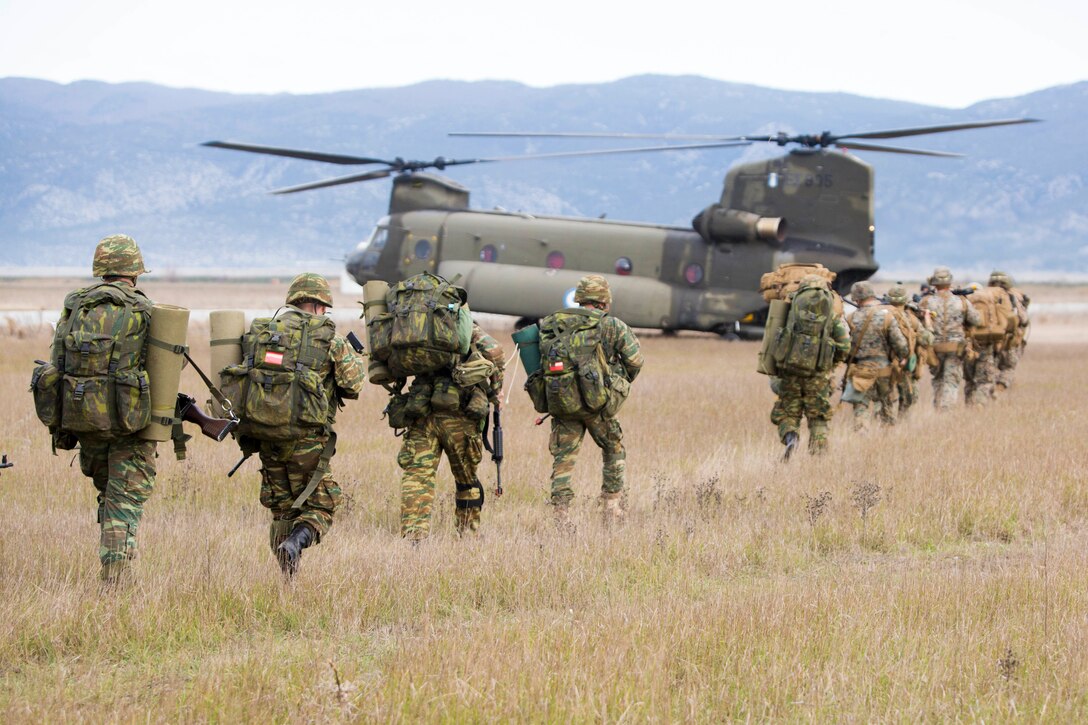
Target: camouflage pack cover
(998, 316)
(427, 326)
(117, 256)
(784, 281)
(803, 346)
(309, 286)
(574, 373)
(96, 381)
(278, 390)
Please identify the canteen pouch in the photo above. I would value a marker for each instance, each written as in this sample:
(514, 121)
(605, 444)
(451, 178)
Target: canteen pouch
(419, 400)
(396, 411)
(564, 395)
(446, 395)
(620, 389)
(477, 405)
(534, 386)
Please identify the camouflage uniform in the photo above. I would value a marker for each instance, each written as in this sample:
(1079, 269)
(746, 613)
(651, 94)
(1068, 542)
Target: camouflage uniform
(877, 347)
(1009, 357)
(809, 396)
(948, 317)
(621, 351)
(288, 466)
(122, 467)
(458, 434)
(920, 340)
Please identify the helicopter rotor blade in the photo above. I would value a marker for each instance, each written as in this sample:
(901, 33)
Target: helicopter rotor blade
(648, 136)
(605, 152)
(922, 130)
(296, 153)
(379, 174)
(851, 146)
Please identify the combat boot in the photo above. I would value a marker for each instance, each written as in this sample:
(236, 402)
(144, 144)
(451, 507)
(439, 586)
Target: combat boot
(791, 440)
(289, 552)
(561, 516)
(613, 511)
(114, 575)
(468, 521)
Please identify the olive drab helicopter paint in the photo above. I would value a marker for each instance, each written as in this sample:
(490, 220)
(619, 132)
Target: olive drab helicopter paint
(812, 204)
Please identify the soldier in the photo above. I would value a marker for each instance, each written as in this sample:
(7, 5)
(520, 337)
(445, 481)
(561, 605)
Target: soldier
(878, 353)
(949, 316)
(809, 394)
(919, 341)
(1013, 349)
(102, 336)
(455, 429)
(624, 360)
(999, 323)
(296, 477)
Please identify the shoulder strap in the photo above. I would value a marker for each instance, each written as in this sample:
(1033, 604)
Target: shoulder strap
(856, 343)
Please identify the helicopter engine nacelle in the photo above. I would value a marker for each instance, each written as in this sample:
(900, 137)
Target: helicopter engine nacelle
(722, 225)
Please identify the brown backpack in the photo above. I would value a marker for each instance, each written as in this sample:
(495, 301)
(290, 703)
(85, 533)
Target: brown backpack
(998, 316)
(784, 281)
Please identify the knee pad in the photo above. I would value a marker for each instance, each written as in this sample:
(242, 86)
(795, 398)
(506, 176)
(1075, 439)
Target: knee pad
(469, 496)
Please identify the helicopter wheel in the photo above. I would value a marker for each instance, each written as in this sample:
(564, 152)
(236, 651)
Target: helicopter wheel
(523, 322)
(727, 332)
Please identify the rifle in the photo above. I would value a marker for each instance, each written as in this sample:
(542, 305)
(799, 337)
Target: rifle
(495, 448)
(215, 428)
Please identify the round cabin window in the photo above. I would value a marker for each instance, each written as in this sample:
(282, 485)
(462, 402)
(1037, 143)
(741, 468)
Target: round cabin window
(423, 249)
(693, 273)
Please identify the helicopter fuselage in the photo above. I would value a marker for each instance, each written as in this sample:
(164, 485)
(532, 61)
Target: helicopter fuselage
(665, 277)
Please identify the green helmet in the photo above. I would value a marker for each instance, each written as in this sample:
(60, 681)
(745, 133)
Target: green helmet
(309, 286)
(118, 256)
(897, 295)
(1000, 279)
(942, 276)
(862, 291)
(593, 288)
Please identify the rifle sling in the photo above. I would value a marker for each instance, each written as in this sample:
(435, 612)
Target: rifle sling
(219, 397)
(319, 471)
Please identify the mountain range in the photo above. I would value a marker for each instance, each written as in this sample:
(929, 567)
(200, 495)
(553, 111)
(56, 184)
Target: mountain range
(86, 159)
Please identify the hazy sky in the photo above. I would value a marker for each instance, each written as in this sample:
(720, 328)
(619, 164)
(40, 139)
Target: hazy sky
(941, 52)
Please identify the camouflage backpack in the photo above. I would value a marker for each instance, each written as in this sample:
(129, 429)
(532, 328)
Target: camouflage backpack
(427, 328)
(576, 376)
(803, 346)
(278, 390)
(96, 381)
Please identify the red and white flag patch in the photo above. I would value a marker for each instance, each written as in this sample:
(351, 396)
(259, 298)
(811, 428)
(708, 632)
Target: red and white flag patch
(556, 366)
(273, 358)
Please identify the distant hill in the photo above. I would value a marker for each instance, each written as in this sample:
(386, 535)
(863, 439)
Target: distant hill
(86, 159)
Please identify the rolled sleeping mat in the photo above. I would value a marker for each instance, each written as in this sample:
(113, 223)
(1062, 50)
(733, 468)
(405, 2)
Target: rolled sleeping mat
(226, 328)
(776, 319)
(374, 304)
(165, 357)
(528, 342)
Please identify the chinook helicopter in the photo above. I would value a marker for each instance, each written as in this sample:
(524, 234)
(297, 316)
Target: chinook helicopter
(704, 277)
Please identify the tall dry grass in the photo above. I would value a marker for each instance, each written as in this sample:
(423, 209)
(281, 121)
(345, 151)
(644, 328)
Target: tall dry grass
(936, 571)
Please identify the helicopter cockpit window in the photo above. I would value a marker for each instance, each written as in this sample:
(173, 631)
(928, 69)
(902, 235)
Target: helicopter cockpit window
(423, 249)
(489, 253)
(693, 273)
(624, 266)
(556, 260)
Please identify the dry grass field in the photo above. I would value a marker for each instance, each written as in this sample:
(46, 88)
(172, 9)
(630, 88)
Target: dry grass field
(937, 571)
